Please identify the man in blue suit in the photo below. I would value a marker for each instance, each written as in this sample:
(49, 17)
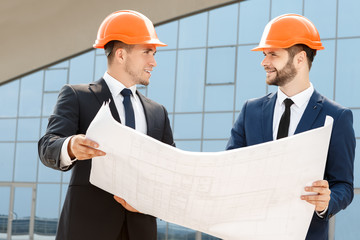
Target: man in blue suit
(289, 44)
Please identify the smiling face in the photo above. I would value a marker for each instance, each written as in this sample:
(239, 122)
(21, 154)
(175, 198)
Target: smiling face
(279, 67)
(139, 63)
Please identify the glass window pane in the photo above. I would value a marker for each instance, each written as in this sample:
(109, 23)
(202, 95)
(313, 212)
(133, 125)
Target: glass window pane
(55, 79)
(47, 174)
(47, 210)
(26, 162)
(64, 64)
(82, 68)
(357, 165)
(64, 188)
(4, 210)
(250, 81)
(356, 114)
(187, 126)
(347, 221)
(223, 25)
(28, 129)
(323, 70)
(217, 125)
(190, 76)
(215, 145)
(22, 213)
(179, 232)
(7, 129)
(167, 34)
(255, 12)
(30, 94)
(66, 176)
(193, 31)
(162, 82)
(219, 98)
(49, 103)
(100, 66)
(6, 161)
(220, 65)
(44, 123)
(9, 95)
(347, 82)
(348, 18)
(324, 20)
(279, 7)
(192, 146)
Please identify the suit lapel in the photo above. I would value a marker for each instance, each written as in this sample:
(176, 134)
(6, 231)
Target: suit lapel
(103, 94)
(147, 110)
(267, 116)
(311, 112)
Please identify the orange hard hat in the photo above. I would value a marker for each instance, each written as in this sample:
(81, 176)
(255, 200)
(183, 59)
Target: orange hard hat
(287, 30)
(128, 26)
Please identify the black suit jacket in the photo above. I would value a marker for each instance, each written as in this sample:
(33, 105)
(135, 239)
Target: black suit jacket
(89, 212)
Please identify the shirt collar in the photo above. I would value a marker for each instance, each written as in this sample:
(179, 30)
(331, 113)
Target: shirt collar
(116, 86)
(299, 99)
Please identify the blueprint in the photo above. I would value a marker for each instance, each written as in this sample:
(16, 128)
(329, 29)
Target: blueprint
(248, 193)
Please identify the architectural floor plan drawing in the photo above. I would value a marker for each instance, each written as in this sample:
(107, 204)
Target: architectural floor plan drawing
(249, 193)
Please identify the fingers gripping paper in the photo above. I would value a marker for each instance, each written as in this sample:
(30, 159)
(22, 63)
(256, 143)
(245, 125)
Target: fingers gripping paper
(247, 193)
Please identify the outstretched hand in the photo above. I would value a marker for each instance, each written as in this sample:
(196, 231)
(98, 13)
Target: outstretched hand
(82, 148)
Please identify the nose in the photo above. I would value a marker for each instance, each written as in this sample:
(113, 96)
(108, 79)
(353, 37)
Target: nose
(265, 61)
(153, 61)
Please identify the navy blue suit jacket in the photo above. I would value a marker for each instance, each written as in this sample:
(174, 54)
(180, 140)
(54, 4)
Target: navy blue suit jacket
(255, 125)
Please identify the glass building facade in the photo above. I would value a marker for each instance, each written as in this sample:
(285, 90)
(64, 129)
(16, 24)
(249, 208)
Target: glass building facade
(203, 77)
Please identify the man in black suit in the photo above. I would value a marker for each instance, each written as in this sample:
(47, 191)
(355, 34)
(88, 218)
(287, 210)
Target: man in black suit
(130, 42)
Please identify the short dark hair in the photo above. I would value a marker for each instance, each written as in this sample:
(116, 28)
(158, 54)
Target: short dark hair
(112, 46)
(310, 53)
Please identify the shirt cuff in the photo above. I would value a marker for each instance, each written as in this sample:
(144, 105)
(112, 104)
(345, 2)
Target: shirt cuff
(322, 213)
(65, 160)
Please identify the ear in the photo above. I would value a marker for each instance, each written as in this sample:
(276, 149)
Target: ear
(120, 55)
(300, 59)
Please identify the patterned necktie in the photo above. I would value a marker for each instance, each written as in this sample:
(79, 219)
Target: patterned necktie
(129, 111)
(283, 130)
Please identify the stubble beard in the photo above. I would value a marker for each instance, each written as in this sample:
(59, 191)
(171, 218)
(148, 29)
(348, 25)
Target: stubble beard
(136, 76)
(283, 76)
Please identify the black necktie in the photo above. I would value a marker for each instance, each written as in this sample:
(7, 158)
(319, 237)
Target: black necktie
(285, 120)
(129, 111)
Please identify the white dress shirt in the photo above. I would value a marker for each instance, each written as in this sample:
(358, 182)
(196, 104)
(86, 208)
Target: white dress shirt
(300, 100)
(115, 88)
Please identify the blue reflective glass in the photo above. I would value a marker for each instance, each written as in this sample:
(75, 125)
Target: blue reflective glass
(49, 103)
(356, 115)
(30, 94)
(44, 123)
(28, 129)
(26, 161)
(7, 129)
(55, 79)
(66, 176)
(190, 80)
(22, 212)
(214, 145)
(64, 64)
(348, 18)
(217, 125)
(47, 202)
(193, 31)
(9, 95)
(279, 7)
(167, 34)
(64, 188)
(208, 237)
(250, 80)
(347, 221)
(347, 80)
(4, 210)
(219, 98)
(223, 25)
(47, 174)
(192, 146)
(142, 90)
(357, 164)
(179, 232)
(220, 65)
(82, 68)
(322, 72)
(324, 20)
(187, 126)
(162, 81)
(254, 15)
(6, 161)
(100, 66)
